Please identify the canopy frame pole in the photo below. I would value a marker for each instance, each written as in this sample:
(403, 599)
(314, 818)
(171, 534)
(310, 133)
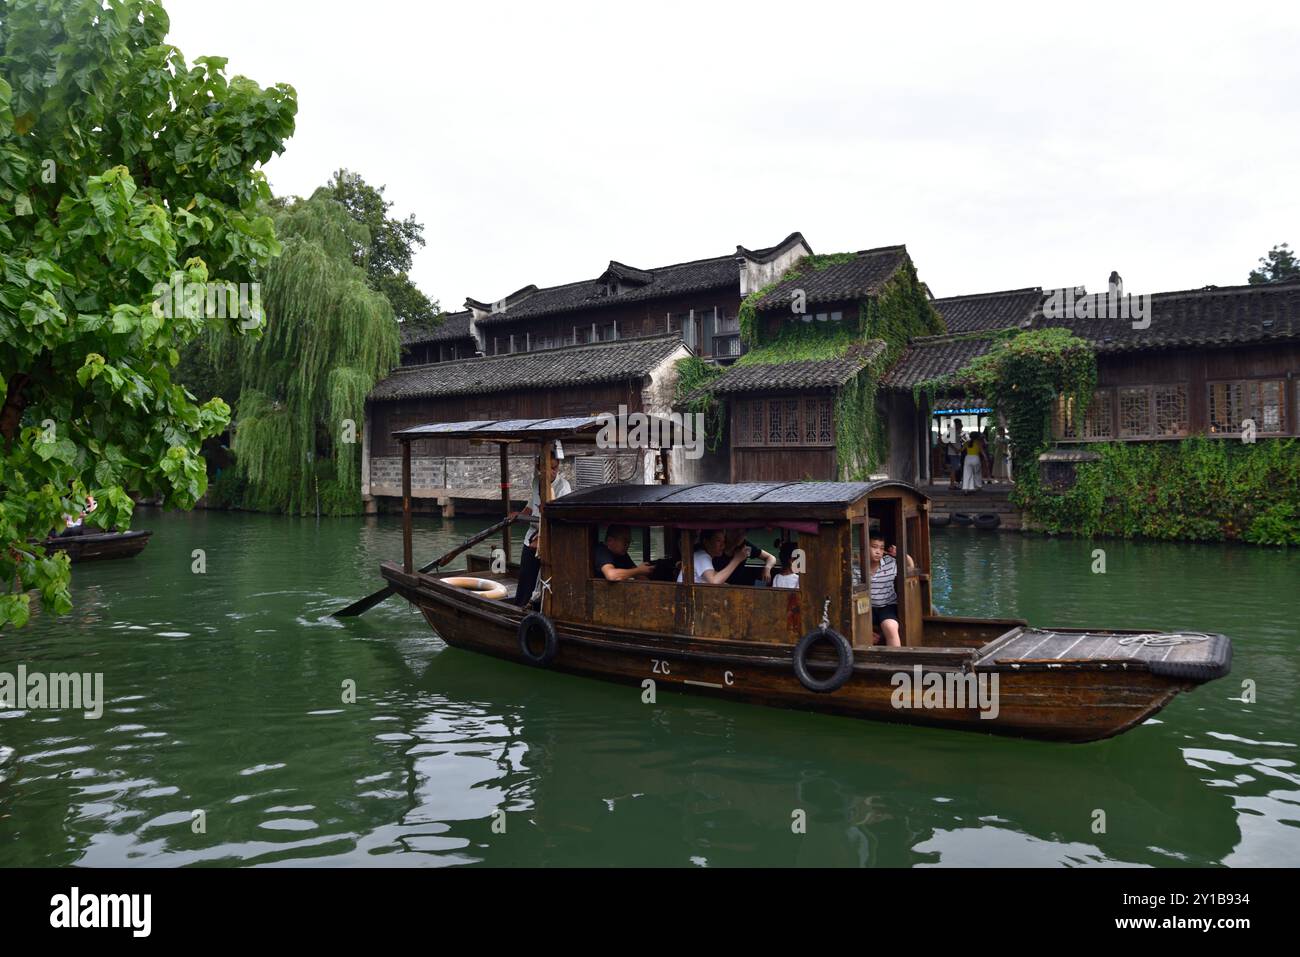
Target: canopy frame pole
(408, 560)
(505, 495)
(543, 496)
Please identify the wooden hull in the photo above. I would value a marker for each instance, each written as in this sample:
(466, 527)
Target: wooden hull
(99, 546)
(1060, 703)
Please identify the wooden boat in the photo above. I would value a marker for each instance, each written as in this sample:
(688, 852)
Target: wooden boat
(811, 647)
(99, 546)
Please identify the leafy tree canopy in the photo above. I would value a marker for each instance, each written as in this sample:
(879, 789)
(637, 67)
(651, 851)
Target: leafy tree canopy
(1280, 263)
(388, 255)
(128, 180)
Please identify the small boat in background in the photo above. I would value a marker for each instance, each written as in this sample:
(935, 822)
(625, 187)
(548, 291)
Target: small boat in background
(97, 546)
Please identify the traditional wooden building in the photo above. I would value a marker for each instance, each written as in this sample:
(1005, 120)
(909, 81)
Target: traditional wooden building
(696, 300)
(791, 418)
(638, 375)
(579, 348)
(1202, 362)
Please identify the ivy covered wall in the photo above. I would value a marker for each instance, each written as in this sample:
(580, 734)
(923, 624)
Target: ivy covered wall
(900, 311)
(1198, 489)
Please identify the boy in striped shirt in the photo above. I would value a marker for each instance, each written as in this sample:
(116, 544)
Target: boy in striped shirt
(884, 594)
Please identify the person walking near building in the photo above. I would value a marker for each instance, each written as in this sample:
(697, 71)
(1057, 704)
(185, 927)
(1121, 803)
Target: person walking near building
(974, 451)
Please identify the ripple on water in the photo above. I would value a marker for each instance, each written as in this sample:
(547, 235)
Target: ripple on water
(233, 667)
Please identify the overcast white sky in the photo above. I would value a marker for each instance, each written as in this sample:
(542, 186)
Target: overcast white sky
(1006, 145)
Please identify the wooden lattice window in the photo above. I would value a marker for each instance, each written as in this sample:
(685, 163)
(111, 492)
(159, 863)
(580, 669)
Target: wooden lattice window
(810, 417)
(784, 422)
(1260, 400)
(1170, 402)
(1266, 405)
(1227, 407)
(1134, 412)
(1099, 423)
(757, 429)
(791, 412)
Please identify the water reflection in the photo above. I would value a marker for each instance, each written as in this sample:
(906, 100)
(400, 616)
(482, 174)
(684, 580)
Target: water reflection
(225, 695)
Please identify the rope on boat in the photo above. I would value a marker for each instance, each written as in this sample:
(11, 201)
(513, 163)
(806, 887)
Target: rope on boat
(1155, 640)
(826, 614)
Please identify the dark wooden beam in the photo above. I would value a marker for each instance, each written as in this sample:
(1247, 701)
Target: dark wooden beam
(505, 495)
(408, 560)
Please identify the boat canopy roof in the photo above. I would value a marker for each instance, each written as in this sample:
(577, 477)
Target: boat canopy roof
(635, 430)
(636, 504)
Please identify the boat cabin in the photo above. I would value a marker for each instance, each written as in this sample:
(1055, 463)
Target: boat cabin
(829, 522)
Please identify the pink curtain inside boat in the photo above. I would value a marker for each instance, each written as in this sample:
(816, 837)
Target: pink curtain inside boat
(808, 528)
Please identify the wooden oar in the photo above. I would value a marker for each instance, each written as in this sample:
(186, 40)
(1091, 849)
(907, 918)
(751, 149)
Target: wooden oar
(370, 601)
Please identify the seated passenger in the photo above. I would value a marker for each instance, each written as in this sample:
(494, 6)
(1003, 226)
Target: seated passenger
(786, 577)
(612, 560)
(743, 575)
(711, 545)
(884, 594)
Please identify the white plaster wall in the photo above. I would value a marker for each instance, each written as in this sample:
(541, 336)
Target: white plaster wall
(754, 275)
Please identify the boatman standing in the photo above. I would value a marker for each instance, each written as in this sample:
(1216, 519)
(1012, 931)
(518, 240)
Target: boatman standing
(529, 565)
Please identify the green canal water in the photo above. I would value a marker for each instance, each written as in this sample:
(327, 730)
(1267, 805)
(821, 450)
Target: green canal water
(224, 694)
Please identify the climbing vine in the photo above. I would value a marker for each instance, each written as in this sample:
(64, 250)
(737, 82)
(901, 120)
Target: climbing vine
(747, 315)
(689, 395)
(1021, 377)
(899, 312)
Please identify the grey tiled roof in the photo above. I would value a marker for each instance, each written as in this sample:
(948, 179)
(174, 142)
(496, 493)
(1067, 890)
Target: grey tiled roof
(858, 278)
(721, 272)
(1205, 318)
(990, 310)
(807, 374)
(454, 325)
(544, 369)
(932, 356)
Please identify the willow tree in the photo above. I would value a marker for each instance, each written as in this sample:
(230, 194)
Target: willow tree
(329, 337)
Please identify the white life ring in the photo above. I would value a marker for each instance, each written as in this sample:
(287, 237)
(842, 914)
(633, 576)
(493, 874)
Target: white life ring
(483, 587)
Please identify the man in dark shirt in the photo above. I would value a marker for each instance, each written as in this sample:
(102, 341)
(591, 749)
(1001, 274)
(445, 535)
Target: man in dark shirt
(612, 560)
(745, 575)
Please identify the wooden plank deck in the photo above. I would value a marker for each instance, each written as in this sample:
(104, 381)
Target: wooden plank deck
(1041, 645)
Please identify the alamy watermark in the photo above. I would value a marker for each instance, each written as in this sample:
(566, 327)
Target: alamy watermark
(637, 430)
(56, 691)
(946, 690)
(215, 300)
(1071, 303)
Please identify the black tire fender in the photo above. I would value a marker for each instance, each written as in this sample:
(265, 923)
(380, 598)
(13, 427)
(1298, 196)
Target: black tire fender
(940, 519)
(961, 518)
(988, 520)
(529, 628)
(843, 669)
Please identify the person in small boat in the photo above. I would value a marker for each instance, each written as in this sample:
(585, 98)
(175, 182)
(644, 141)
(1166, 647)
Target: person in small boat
(529, 565)
(884, 594)
(744, 575)
(786, 577)
(713, 544)
(613, 563)
(74, 524)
